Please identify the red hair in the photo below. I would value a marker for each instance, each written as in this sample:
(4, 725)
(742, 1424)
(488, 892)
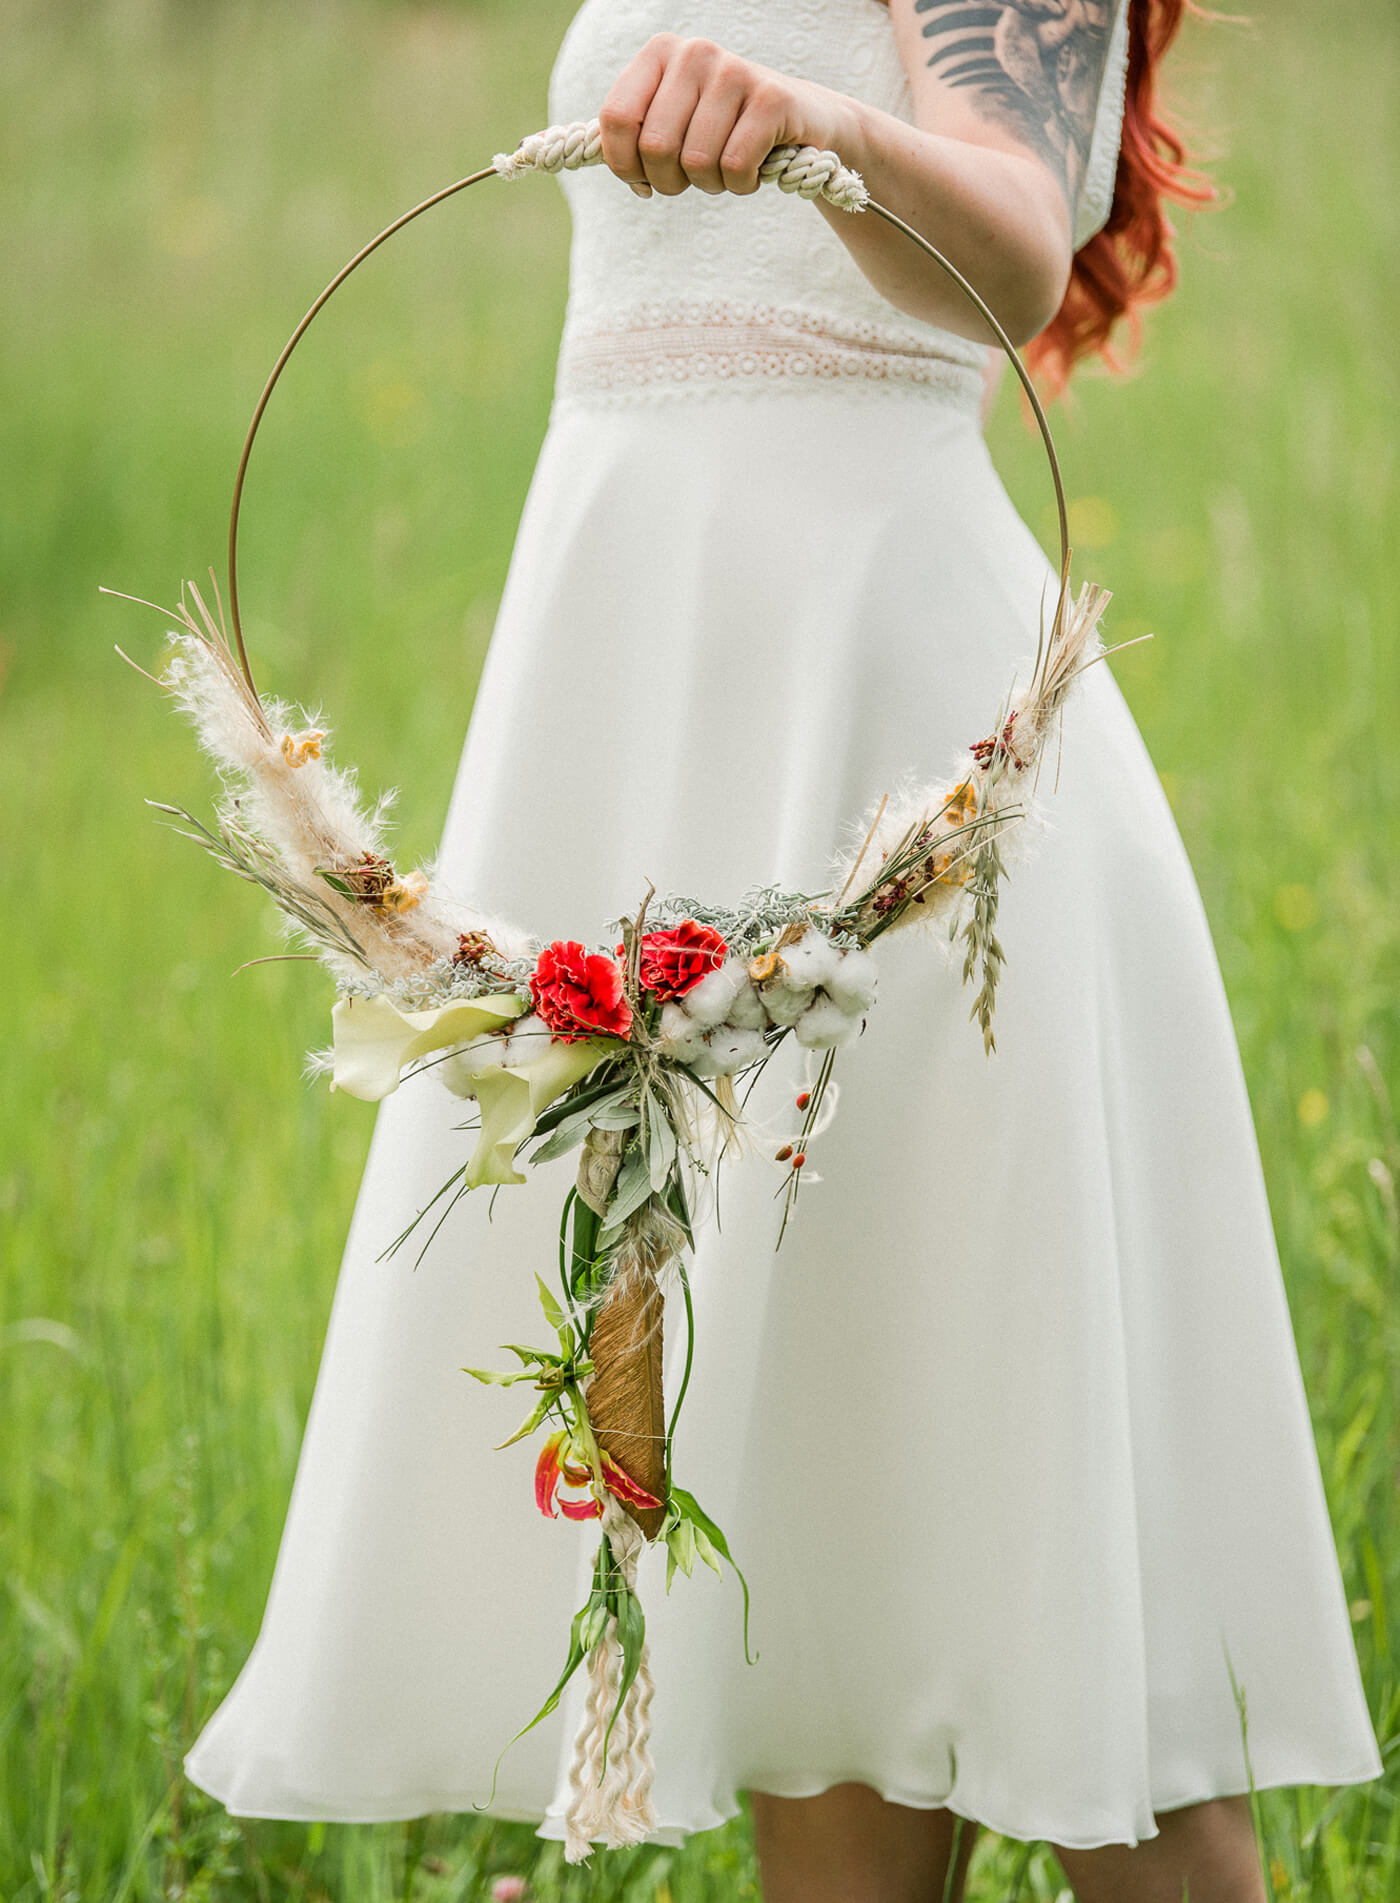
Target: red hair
(1130, 263)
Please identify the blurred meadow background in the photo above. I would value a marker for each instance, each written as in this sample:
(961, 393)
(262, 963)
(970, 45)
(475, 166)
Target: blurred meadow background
(177, 181)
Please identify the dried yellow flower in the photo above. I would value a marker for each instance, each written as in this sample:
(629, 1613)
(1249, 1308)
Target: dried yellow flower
(298, 748)
(764, 970)
(405, 893)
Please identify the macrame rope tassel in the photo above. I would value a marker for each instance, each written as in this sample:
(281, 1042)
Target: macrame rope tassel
(803, 169)
(612, 1802)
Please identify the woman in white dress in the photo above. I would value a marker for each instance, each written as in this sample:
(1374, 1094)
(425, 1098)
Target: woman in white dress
(1010, 1436)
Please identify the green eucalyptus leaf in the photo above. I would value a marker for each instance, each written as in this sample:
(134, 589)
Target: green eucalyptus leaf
(559, 1142)
(661, 1145)
(580, 1097)
(631, 1190)
(574, 1125)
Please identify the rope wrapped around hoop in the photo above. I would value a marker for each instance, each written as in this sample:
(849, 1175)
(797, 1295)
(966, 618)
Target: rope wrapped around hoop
(804, 169)
(610, 1779)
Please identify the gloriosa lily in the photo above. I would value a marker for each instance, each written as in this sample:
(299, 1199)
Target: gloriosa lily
(563, 1462)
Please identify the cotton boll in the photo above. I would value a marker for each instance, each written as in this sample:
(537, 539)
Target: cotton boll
(709, 1001)
(853, 983)
(460, 1070)
(681, 1037)
(747, 1010)
(811, 960)
(785, 1002)
(727, 1050)
(825, 1026)
(525, 1041)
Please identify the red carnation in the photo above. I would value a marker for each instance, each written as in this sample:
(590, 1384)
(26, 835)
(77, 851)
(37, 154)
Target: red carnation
(578, 993)
(670, 963)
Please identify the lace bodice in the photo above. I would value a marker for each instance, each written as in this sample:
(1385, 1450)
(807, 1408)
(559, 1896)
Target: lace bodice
(695, 294)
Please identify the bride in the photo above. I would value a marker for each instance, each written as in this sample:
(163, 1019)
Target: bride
(1009, 1433)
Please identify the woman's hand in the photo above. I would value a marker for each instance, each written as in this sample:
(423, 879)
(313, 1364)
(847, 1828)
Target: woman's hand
(686, 112)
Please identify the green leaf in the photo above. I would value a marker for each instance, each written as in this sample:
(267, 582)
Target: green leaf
(574, 1126)
(595, 1626)
(631, 1190)
(680, 1550)
(567, 1137)
(494, 1380)
(661, 1142)
(585, 1249)
(676, 1203)
(631, 1632)
(577, 1654)
(705, 1547)
(531, 1422)
(692, 1510)
(573, 1100)
(553, 1313)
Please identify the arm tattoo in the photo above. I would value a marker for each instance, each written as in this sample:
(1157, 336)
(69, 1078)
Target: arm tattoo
(1035, 67)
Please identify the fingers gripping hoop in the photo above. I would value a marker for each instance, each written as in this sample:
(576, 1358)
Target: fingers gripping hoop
(802, 169)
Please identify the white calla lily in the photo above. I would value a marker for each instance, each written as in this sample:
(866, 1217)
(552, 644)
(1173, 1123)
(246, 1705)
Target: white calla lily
(374, 1041)
(512, 1096)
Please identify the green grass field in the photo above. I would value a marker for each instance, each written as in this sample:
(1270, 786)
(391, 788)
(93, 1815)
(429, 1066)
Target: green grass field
(177, 182)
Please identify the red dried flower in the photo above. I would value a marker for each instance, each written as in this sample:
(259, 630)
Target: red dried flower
(472, 948)
(578, 993)
(672, 962)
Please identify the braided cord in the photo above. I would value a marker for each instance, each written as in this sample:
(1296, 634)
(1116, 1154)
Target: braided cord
(803, 169)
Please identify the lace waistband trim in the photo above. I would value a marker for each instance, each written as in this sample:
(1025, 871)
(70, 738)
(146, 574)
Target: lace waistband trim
(694, 348)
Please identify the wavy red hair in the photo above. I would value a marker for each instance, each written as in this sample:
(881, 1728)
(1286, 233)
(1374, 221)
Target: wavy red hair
(1131, 263)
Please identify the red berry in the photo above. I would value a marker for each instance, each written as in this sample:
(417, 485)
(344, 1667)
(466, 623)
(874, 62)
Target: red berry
(799, 1160)
(783, 1154)
(804, 1097)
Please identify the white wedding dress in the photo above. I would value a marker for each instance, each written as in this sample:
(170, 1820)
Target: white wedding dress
(1009, 1436)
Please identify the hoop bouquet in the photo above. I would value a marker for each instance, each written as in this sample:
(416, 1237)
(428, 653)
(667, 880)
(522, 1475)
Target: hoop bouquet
(634, 1049)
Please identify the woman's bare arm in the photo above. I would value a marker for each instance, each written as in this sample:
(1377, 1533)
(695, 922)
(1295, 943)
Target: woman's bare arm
(1004, 100)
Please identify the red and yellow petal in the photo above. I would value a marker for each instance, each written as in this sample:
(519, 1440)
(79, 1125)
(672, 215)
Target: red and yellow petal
(621, 1484)
(548, 1471)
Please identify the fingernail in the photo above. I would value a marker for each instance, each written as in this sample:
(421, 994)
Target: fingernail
(642, 191)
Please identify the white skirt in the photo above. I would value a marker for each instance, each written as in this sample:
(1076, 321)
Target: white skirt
(1009, 1437)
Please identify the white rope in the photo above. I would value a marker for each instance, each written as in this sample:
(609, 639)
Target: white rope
(612, 1803)
(803, 169)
